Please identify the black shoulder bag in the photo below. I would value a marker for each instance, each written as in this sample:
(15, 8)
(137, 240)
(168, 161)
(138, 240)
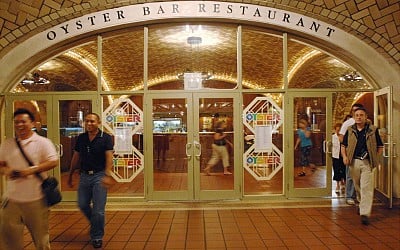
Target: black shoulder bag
(49, 186)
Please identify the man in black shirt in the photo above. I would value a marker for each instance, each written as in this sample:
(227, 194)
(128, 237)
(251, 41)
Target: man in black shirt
(93, 155)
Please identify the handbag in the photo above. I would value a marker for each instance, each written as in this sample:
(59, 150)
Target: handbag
(49, 186)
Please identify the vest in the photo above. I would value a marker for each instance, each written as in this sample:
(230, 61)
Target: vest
(372, 146)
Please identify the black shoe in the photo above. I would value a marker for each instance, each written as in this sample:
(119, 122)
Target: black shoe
(97, 243)
(364, 220)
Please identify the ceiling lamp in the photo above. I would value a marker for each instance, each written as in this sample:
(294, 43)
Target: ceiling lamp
(203, 75)
(194, 40)
(351, 77)
(35, 78)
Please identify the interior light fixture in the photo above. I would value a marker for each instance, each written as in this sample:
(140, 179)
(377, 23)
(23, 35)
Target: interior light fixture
(204, 76)
(194, 40)
(351, 77)
(35, 78)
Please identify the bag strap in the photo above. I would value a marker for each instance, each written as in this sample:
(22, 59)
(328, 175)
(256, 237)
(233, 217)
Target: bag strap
(27, 159)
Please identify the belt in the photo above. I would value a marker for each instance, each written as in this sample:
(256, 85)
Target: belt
(90, 172)
(360, 158)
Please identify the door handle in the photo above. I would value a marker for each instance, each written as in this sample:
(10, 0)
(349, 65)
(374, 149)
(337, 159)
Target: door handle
(198, 146)
(187, 147)
(61, 150)
(325, 147)
(328, 147)
(386, 148)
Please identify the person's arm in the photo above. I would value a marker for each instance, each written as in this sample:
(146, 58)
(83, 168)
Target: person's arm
(109, 162)
(340, 138)
(108, 180)
(219, 136)
(344, 155)
(343, 130)
(41, 167)
(4, 169)
(343, 147)
(297, 143)
(50, 162)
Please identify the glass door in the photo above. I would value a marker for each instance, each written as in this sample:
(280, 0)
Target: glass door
(383, 120)
(59, 118)
(68, 116)
(218, 167)
(180, 135)
(310, 174)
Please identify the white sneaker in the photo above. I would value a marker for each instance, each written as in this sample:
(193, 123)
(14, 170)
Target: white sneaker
(350, 201)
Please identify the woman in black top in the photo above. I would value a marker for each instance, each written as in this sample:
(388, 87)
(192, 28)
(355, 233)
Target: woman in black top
(219, 152)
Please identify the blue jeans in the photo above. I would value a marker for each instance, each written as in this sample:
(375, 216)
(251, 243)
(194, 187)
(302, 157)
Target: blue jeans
(305, 156)
(349, 184)
(92, 197)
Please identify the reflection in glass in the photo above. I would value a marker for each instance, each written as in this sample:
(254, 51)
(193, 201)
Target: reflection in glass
(310, 164)
(71, 117)
(214, 113)
(263, 64)
(170, 170)
(382, 173)
(188, 56)
(126, 49)
(312, 68)
(73, 70)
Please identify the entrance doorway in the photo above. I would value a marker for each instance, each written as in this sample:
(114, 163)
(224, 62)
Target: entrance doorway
(180, 136)
(59, 118)
(311, 175)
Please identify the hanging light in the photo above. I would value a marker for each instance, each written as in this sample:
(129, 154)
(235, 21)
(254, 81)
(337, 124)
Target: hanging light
(35, 78)
(351, 77)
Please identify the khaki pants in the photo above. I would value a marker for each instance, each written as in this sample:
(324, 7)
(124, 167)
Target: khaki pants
(219, 153)
(14, 216)
(362, 175)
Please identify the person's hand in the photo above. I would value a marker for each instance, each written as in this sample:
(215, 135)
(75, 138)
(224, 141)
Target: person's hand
(6, 171)
(69, 181)
(107, 181)
(346, 160)
(26, 172)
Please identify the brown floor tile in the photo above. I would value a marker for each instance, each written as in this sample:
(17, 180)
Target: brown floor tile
(284, 228)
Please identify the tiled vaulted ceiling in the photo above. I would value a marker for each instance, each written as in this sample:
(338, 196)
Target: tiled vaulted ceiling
(169, 54)
(377, 22)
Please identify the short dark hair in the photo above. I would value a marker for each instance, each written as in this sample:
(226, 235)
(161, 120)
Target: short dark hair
(22, 111)
(358, 105)
(97, 116)
(362, 108)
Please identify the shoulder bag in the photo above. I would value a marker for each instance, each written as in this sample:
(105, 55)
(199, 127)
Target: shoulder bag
(49, 186)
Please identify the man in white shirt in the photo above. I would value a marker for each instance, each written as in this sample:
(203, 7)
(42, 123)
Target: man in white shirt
(23, 202)
(350, 193)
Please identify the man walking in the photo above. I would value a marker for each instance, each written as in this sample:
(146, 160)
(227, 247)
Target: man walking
(93, 155)
(349, 182)
(24, 203)
(361, 150)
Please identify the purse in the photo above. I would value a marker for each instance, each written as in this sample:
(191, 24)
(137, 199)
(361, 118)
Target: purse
(49, 186)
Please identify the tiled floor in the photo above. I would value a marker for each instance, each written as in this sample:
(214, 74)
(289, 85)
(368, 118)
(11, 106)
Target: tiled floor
(279, 225)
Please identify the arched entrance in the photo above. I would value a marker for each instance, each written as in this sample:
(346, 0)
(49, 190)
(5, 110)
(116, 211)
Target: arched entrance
(282, 62)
